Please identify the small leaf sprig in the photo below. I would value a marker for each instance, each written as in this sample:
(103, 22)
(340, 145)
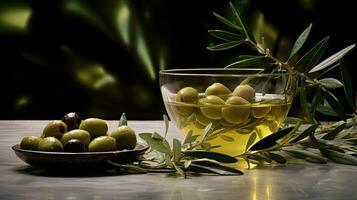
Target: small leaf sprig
(189, 156)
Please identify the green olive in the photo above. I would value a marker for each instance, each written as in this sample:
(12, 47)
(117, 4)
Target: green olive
(81, 135)
(260, 112)
(125, 137)
(102, 143)
(210, 107)
(187, 95)
(30, 142)
(236, 113)
(245, 91)
(96, 127)
(218, 89)
(55, 129)
(50, 144)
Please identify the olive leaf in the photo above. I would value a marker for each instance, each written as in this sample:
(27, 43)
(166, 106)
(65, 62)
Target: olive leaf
(305, 133)
(318, 97)
(332, 134)
(129, 167)
(179, 170)
(330, 83)
(339, 157)
(123, 121)
(332, 59)
(225, 35)
(227, 22)
(160, 145)
(188, 138)
(225, 46)
(310, 59)
(326, 110)
(270, 140)
(303, 102)
(249, 62)
(335, 105)
(251, 140)
(206, 132)
(292, 120)
(243, 57)
(300, 41)
(218, 169)
(227, 138)
(223, 158)
(304, 154)
(276, 157)
(242, 23)
(347, 83)
(176, 148)
(260, 158)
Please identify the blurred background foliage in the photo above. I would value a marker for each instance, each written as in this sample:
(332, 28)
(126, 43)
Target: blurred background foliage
(102, 57)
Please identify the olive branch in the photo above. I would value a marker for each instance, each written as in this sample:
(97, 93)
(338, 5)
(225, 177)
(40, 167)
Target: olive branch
(302, 138)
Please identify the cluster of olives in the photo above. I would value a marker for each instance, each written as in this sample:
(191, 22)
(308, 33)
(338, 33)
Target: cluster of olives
(71, 134)
(220, 103)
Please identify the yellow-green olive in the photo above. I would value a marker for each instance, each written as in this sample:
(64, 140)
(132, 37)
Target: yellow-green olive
(81, 135)
(187, 95)
(260, 112)
(50, 144)
(245, 91)
(102, 143)
(55, 129)
(96, 127)
(125, 137)
(210, 107)
(30, 142)
(218, 89)
(237, 110)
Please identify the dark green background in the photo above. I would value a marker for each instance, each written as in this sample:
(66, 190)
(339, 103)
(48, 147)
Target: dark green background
(101, 58)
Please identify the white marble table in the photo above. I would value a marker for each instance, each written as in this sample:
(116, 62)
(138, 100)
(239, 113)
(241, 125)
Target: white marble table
(301, 181)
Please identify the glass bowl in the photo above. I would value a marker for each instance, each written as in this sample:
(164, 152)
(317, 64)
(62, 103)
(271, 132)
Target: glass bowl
(238, 103)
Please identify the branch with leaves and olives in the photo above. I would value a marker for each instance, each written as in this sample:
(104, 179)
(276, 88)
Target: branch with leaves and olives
(303, 138)
(315, 143)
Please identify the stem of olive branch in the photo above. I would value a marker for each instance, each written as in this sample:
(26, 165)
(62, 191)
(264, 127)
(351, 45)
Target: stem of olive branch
(285, 65)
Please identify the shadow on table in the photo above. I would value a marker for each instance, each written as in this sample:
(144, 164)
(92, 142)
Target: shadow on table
(36, 171)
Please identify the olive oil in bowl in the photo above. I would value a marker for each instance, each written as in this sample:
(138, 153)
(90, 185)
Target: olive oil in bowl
(232, 124)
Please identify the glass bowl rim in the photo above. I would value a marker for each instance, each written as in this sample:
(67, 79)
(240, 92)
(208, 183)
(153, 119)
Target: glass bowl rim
(193, 72)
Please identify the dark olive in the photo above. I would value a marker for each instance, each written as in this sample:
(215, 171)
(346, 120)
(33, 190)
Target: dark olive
(72, 120)
(74, 145)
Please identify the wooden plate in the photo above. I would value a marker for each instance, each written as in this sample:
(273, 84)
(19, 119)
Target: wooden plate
(78, 161)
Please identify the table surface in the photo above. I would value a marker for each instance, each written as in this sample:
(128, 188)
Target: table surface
(290, 181)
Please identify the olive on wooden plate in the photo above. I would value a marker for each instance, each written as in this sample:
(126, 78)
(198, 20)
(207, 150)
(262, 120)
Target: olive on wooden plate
(72, 120)
(50, 144)
(82, 135)
(30, 142)
(102, 143)
(55, 129)
(125, 137)
(74, 145)
(96, 127)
